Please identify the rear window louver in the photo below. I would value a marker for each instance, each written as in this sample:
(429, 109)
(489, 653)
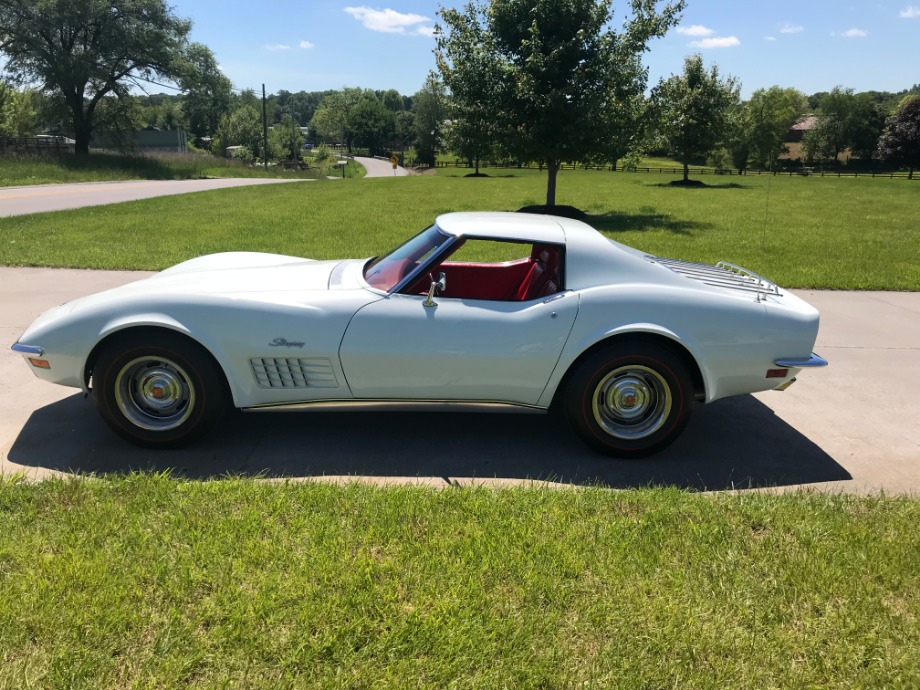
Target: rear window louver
(723, 275)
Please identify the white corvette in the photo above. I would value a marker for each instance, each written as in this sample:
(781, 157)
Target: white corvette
(507, 308)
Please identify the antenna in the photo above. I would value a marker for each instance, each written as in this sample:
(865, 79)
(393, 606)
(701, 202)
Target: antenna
(766, 218)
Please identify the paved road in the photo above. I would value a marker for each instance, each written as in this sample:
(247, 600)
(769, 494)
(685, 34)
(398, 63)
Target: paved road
(853, 426)
(15, 201)
(378, 168)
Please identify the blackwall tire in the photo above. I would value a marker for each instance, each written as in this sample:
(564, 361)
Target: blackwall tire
(158, 390)
(629, 400)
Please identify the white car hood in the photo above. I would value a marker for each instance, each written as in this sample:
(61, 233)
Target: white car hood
(239, 272)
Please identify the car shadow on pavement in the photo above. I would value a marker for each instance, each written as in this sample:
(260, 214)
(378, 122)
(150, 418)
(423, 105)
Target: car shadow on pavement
(733, 443)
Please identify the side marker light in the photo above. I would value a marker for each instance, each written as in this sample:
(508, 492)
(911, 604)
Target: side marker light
(40, 363)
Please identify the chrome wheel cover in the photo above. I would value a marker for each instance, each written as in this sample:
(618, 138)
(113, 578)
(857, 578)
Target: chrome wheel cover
(154, 393)
(631, 402)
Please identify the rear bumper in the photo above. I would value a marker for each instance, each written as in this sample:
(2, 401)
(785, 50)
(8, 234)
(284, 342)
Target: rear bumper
(813, 361)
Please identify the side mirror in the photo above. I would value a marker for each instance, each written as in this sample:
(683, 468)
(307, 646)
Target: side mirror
(437, 286)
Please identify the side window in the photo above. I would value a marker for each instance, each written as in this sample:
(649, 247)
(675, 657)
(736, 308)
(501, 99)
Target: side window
(490, 252)
(498, 270)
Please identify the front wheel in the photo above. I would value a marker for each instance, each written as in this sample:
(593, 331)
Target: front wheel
(158, 391)
(629, 400)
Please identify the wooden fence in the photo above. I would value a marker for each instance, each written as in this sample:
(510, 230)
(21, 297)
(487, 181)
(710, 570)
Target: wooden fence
(35, 145)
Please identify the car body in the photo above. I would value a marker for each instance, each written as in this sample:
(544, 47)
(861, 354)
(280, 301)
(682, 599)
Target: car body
(520, 309)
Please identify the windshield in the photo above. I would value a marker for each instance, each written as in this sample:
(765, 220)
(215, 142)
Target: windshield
(386, 271)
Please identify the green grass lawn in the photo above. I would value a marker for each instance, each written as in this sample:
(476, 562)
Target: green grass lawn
(32, 170)
(801, 232)
(150, 582)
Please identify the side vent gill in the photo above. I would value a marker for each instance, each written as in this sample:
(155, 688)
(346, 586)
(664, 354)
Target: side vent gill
(293, 372)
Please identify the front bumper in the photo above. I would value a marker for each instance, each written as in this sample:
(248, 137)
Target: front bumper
(28, 349)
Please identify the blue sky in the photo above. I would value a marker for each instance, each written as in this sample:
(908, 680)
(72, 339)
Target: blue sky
(812, 45)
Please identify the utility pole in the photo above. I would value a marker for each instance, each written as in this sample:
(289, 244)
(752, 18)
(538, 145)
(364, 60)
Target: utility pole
(264, 130)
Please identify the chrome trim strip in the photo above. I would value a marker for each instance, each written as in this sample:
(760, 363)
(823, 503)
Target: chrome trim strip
(379, 402)
(28, 349)
(813, 361)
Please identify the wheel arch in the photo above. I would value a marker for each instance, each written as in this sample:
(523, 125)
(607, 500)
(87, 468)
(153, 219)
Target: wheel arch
(151, 329)
(657, 337)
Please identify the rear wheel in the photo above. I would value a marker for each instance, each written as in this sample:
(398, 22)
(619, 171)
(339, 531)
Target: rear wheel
(629, 400)
(158, 391)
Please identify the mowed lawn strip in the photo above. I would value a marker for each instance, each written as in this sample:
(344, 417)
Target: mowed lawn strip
(147, 581)
(804, 232)
(36, 170)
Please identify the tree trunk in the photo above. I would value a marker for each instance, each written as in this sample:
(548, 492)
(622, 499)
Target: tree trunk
(477, 166)
(82, 130)
(686, 171)
(552, 168)
(910, 173)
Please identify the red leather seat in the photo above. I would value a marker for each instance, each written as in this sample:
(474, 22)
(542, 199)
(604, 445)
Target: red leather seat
(543, 276)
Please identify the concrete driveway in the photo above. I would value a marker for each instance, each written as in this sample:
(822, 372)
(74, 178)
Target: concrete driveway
(380, 168)
(851, 427)
(16, 201)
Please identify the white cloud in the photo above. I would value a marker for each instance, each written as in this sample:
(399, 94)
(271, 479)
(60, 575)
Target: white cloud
(277, 47)
(788, 28)
(855, 33)
(389, 21)
(695, 30)
(910, 12)
(425, 31)
(769, 38)
(724, 42)
(306, 45)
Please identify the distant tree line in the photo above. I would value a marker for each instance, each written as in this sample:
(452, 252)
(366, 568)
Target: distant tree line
(543, 81)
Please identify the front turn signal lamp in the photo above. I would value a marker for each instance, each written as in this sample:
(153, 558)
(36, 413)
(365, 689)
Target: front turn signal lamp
(39, 363)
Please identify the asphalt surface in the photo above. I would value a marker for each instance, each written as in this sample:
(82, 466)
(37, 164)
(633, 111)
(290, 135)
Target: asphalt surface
(16, 201)
(380, 168)
(853, 426)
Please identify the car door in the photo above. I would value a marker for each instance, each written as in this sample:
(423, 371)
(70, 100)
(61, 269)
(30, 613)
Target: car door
(459, 349)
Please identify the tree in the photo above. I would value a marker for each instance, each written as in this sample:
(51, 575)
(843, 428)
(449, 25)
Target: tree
(692, 110)
(372, 123)
(18, 116)
(208, 92)
(772, 113)
(286, 140)
(429, 110)
(900, 143)
(89, 49)
(566, 85)
(242, 127)
(332, 117)
(473, 72)
(846, 121)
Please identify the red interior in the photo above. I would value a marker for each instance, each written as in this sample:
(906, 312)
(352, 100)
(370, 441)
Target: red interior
(513, 281)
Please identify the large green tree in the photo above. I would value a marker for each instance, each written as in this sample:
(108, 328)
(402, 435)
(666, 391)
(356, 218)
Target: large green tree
(846, 120)
(758, 127)
(691, 111)
(567, 82)
(208, 92)
(88, 49)
(332, 118)
(429, 111)
(242, 127)
(372, 123)
(474, 72)
(900, 143)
